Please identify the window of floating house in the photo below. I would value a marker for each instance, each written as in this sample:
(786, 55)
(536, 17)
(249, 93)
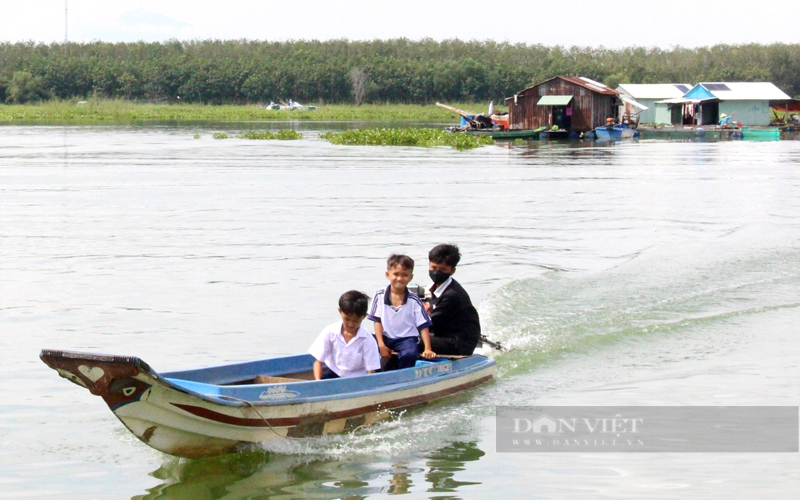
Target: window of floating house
(583, 91)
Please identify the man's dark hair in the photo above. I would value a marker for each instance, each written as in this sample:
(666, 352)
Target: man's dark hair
(445, 254)
(354, 302)
(401, 260)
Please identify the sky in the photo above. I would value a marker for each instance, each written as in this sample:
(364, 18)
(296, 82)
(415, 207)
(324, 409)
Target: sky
(610, 23)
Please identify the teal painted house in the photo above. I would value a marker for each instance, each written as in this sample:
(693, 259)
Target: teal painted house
(747, 102)
(649, 94)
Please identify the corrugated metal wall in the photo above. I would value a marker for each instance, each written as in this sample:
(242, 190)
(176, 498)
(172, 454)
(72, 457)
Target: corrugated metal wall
(589, 109)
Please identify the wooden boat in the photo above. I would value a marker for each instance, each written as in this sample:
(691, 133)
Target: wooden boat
(490, 125)
(507, 135)
(219, 409)
(615, 133)
(557, 135)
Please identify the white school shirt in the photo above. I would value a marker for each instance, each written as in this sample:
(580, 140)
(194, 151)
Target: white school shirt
(346, 359)
(399, 322)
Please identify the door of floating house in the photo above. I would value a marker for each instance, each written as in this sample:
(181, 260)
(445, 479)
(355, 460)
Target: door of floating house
(578, 103)
(710, 110)
(668, 114)
(560, 110)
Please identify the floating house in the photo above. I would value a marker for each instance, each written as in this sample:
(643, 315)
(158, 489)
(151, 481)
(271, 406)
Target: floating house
(649, 94)
(747, 102)
(575, 104)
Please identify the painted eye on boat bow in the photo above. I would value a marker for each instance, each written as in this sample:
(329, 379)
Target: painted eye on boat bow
(124, 390)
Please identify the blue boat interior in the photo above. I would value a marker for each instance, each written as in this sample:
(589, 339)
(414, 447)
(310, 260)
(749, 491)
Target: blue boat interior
(289, 380)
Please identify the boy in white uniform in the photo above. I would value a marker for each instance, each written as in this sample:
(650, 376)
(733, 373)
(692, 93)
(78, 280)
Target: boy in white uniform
(345, 347)
(399, 316)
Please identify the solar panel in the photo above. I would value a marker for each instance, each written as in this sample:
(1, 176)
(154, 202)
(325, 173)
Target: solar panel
(682, 88)
(716, 86)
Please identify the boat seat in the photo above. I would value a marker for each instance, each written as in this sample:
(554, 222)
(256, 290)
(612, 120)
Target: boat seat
(266, 379)
(306, 375)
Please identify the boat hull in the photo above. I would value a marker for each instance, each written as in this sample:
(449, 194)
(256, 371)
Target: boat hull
(190, 417)
(507, 135)
(615, 133)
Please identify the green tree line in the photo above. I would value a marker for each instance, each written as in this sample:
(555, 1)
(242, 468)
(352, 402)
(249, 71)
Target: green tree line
(340, 71)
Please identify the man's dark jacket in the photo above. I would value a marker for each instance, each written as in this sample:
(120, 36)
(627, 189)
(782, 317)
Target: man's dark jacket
(454, 317)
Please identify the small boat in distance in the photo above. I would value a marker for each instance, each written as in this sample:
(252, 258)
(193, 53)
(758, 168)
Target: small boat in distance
(616, 132)
(220, 409)
(289, 106)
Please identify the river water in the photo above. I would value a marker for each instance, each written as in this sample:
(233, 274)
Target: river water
(636, 273)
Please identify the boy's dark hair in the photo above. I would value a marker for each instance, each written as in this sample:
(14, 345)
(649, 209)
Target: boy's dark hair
(354, 302)
(401, 260)
(445, 253)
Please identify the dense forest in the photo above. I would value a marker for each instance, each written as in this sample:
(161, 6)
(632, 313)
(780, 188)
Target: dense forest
(342, 71)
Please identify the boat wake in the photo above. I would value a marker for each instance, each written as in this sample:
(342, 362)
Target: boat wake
(545, 318)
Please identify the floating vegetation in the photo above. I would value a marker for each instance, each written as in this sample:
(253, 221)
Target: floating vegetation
(281, 135)
(426, 137)
(196, 136)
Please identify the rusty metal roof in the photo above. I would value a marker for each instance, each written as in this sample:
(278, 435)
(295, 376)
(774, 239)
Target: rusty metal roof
(591, 85)
(577, 80)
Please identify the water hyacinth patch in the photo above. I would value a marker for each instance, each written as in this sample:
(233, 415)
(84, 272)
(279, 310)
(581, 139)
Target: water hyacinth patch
(425, 137)
(281, 135)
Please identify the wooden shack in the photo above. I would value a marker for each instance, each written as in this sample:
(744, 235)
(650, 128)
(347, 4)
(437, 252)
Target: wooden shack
(572, 103)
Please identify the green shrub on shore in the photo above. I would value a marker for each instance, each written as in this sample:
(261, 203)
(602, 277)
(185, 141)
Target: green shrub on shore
(425, 137)
(24, 87)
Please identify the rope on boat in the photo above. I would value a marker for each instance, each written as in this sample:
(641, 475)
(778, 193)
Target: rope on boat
(254, 409)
